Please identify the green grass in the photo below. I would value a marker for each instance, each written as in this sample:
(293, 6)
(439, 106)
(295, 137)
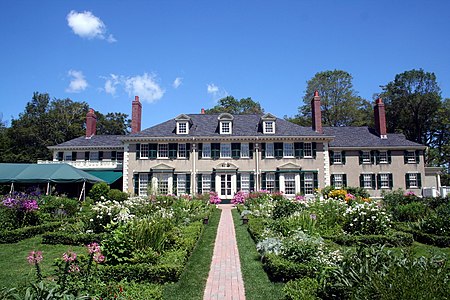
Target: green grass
(257, 284)
(193, 280)
(424, 250)
(15, 270)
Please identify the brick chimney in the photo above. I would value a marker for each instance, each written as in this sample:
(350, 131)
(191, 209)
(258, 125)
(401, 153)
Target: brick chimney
(380, 118)
(91, 123)
(203, 111)
(316, 113)
(136, 115)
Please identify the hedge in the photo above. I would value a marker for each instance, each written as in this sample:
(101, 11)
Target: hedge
(16, 235)
(256, 227)
(64, 238)
(281, 269)
(425, 238)
(394, 239)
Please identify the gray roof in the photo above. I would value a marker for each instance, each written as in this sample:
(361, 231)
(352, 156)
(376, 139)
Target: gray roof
(94, 141)
(205, 125)
(360, 137)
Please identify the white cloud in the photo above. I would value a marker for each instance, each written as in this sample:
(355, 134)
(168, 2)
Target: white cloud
(111, 83)
(216, 92)
(177, 82)
(145, 86)
(86, 25)
(78, 83)
(212, 89)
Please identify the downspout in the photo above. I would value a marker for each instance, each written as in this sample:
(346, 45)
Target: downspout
(194, 177)
(257, 188)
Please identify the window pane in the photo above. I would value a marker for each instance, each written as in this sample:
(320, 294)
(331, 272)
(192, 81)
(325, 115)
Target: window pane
(245, 150)
(144, 150)
(367, 180)
(182, 127)
(268, 126)
(182, 151)
(162, 183)
(309, 184)
(337, 157)
(163, 150)
(383, 157)
(366, 157)
(206, 183)
(338, 180)
(384, 181)
(181, 184)
(288, 149)
(245, 182)
(206, 151)
(307, 149)
(289, 184)
(143, 184)
(93, 155)
(270, 182)
(225, 127)
(269, 150)
(411, 157)
(412, 180)
(225, 150)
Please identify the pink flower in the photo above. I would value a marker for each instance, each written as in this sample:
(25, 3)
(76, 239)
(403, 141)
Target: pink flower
(99, 257)
(74, 269)
(214, 198)
(93, 248)
(69, 256)
(35, 257)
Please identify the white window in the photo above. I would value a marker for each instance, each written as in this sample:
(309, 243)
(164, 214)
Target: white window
(143, 184)
(411, 157)
(289, 184)
(309, 184)
(269, 150)
(163, 150)
(270, 182)
(288, 149)
(366, 159)
(245, 182)
(68, 155)
(384, 181)
(337, 157)
(162, 181)
(413, 182)
(225, 127)
(383, 157)
(206, 151)
(182, 151)
(182, 127)
(307, 150)
(245, 152)
(93, 155)
(206, 183)
(225, 150)
(338, 181)
(367, 181)
(269, 127)
(181, 184)
(144, 151)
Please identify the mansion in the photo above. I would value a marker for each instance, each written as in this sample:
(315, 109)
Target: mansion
(225, 153)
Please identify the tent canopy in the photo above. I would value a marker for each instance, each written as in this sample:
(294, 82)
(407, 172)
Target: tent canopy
(43, 173)
(108, 176)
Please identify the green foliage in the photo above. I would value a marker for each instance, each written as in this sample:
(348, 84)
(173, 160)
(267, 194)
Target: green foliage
(366, 218)
(281, 269)
(285, 207)
(330, 215)
(14, 236)
(158, 273)
(99, 190)
(117, 195)
(125, 290)
(426, 238)
(301, 247)
(149, 233)
(118, 246)
(233, 106)
(394, 239)
(59, 207)
(410, 212)
(304, 221)
(67, 238)
(437, 223)
(256, 227)
(301, 289)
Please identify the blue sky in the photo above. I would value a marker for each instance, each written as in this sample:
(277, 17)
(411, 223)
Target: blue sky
(181, 56)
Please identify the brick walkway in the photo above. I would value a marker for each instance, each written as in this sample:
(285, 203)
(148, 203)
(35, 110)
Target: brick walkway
(225, 277)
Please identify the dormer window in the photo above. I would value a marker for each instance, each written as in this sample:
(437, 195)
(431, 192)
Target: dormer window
(183, 121)
(268, 123)
(225, 123)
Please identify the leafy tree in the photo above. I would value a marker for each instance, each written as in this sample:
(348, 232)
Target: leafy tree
(113, 123)
(231, 105)
(411, 101)
(340, 104)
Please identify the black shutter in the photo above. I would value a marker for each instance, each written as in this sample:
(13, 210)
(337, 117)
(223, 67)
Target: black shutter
(372, 157)
(405, 157)
(250, 150)
(100, 155)
(361, 180)
(200, 150)
(298, 150)
(407, 180)
(389, 157)
(378, 181)
(215, 150)
(188, 184)
(391, 181)
(344, 180)
(343, 157)
(60, 156)
(374, 186)
(175, 184)
(113, 155)
(302, 183)
(316, 180)
(332, 158)
(263, 150)
(213, 181)
(377, 157)
(235, 150)
(199, 183)
(152, 151)
(252, 182)
(86, 155)
(74, 156)
(417, 156)
(332, 180)
(263, 181)
(360, 157)
(238, 181)
(138, 151)
(314, 149)
(136, 184)
(419, 180)
(277, 181)
(278, 150)
(173, 149)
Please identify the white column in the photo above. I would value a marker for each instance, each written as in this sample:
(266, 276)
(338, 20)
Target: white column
(126, 157)
(326, 165)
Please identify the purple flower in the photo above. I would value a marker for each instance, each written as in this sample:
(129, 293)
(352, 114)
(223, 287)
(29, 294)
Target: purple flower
(239, 198)
(93, 248)
(30, 205)
(69, 256)
(10, 202)
(214, 198)
(35, 257)
(313, 216)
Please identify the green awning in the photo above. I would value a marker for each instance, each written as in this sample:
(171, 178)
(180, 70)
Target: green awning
(108, 176)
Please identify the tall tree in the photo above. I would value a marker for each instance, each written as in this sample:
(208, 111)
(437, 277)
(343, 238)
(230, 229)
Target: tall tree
(340, 104)
(411, 101)
(231, 105)
(113, 123)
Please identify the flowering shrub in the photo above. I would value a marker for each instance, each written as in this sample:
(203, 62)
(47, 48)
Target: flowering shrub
(339, 194)
(239, 198)
(214, 198)
(366, 218)
(19, 210)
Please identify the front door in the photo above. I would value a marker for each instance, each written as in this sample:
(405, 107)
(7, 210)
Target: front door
(225, 186)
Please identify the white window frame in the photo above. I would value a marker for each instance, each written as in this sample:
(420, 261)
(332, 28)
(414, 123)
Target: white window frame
(245, 150)
(182, 128)
(308, 183)
(289, 184)
(307, 150)
(68, 156)
(181, 184)
(225, 150)
(413, 178)
(338, 181)
(270, 150)
(143, 184)
(225, 127)
(269, 127)
(144, 151)
(411, 157)
(366, 158)
(163, 150)
(337, 157)
(288, 150)
(206, 150)
(367, 181)
(93, 156)
(182, 151)
(270, 182)
(384, 181)
(383, 157)
(162, 183)
(245, 182)
(206, 183)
